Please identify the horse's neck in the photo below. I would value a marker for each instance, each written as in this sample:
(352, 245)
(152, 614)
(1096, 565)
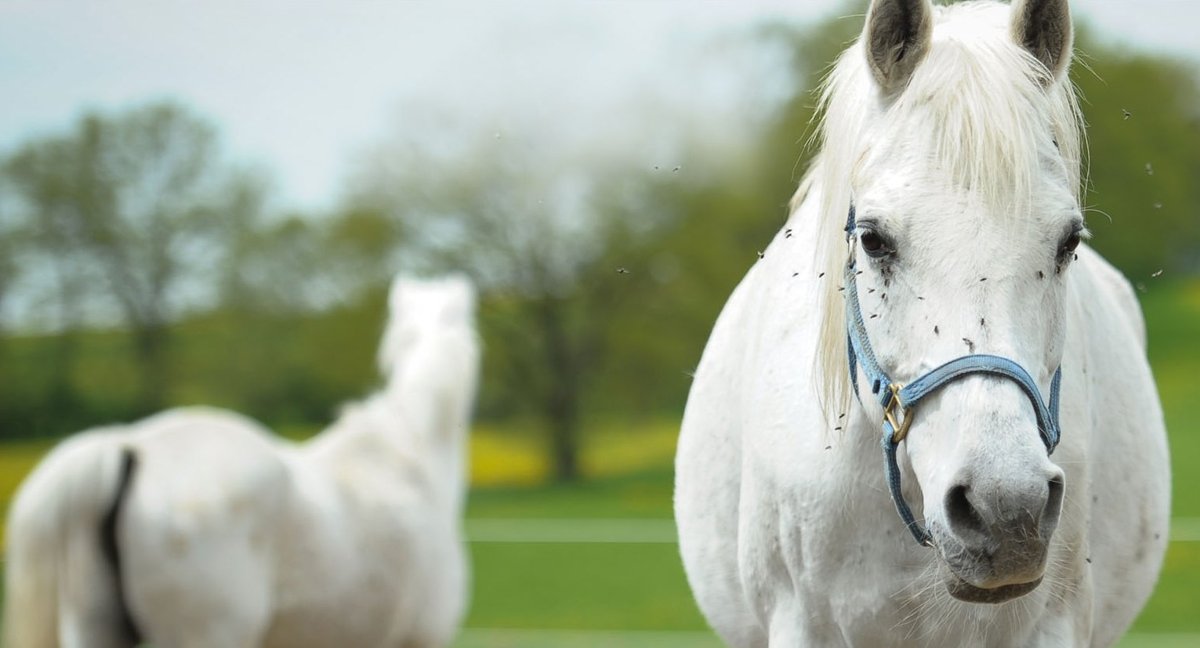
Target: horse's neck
(431, 400)
(428, 423)
(412, 432)
(412, 418)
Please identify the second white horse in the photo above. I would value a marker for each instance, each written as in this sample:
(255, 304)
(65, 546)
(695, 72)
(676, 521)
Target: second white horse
(197, 528)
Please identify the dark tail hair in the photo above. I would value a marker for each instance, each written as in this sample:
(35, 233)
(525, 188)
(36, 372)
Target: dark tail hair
(112, 549)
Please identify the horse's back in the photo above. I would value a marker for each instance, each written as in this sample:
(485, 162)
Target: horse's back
(199, 465)
(1129, 480)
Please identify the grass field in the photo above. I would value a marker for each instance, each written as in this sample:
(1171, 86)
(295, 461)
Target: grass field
(594, 563)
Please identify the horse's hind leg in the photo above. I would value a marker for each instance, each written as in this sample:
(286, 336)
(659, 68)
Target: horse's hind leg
(90, 615)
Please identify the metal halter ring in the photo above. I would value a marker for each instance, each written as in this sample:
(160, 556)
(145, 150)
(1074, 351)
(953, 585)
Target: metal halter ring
(892, 410)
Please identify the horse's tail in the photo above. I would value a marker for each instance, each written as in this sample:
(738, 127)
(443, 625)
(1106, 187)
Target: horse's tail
(62, 577)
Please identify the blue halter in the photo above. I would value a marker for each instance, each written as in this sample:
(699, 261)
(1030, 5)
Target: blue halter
(894, 397)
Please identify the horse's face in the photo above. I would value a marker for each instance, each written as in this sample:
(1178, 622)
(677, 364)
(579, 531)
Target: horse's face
(420, 310)
(948, 271)
(991, 284)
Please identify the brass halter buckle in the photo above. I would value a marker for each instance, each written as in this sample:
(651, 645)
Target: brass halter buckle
(892, 410)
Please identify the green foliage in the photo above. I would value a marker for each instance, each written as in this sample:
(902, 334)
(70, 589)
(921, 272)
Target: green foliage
(119, 211)
(282, 369)
(1143, 114)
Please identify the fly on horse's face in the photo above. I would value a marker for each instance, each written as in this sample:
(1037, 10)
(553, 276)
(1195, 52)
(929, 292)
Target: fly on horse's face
(964, 241)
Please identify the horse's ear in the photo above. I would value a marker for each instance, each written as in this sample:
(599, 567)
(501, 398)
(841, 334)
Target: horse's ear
(897, 35)
(1044, 28)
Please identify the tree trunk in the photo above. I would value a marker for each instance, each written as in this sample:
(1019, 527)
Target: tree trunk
(562, 395)
(563, 412)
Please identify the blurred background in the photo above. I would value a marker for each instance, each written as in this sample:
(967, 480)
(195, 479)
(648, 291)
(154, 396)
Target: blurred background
(204, 204)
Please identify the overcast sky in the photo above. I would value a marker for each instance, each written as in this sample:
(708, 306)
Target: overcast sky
(299, 87)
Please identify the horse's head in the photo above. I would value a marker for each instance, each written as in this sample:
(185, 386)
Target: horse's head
(963, 166)
(422, 313)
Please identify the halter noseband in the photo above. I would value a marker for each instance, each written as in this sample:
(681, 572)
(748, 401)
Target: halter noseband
(894, 397)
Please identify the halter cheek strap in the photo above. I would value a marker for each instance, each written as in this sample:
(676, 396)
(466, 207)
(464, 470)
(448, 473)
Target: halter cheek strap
(899, 400)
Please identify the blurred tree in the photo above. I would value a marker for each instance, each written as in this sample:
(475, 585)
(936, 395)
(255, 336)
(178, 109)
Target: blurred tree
(238, 225)
(301, 263)
(520, 216)
(8, 275)
(130, 198)
(293, 288)
(8, 252)
(275, 268)
(45, 237)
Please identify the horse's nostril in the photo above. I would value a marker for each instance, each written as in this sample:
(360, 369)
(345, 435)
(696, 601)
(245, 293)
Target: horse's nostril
(1054, 500)
(963, 518)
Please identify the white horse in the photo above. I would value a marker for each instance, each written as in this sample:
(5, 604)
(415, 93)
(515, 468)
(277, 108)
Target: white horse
(951, 137)
(197, 528)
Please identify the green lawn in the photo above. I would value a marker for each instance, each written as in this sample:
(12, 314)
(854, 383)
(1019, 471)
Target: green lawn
(1172, 322)
(581, 586)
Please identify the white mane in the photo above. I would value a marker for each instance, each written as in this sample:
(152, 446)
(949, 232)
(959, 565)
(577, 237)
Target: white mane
(992, 112)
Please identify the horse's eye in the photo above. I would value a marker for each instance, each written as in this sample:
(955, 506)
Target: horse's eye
(1066, 249)
(1072, 242)
(874, 244)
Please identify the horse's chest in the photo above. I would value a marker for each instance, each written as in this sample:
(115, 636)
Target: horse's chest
(820, 550)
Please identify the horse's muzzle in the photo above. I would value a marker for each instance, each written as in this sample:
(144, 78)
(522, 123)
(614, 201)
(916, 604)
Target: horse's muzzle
(995, 536)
